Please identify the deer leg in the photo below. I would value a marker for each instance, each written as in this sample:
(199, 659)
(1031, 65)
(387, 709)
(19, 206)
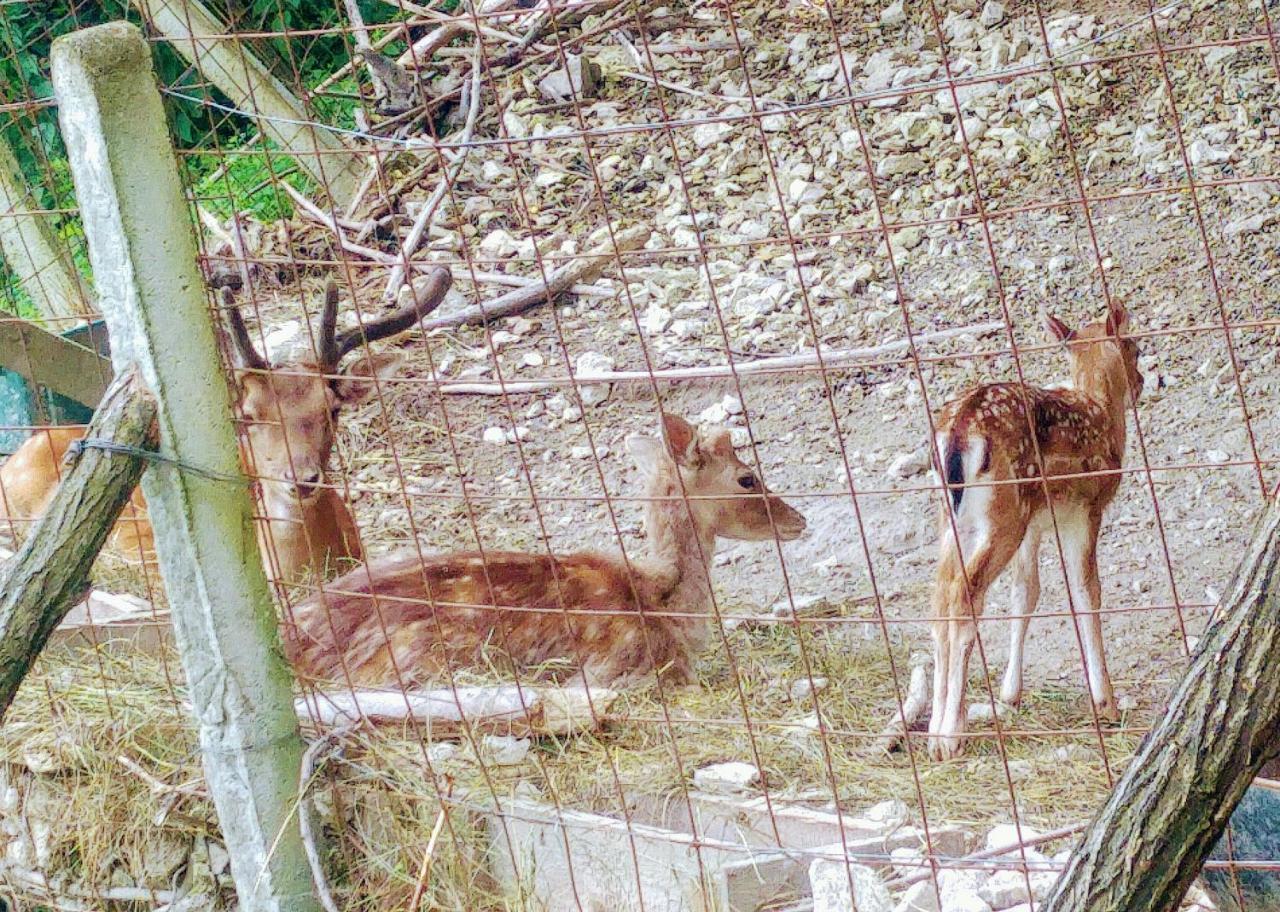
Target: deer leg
(1024, 595)
(1080, 544)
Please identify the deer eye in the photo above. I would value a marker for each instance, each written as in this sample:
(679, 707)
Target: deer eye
(747, 482)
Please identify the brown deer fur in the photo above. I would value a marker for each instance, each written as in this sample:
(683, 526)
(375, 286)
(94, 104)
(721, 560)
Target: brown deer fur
(290, 412)
(29, 477)
(407, 620)
(1003, 432)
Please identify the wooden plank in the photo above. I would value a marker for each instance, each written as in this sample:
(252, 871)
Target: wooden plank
(46, 359)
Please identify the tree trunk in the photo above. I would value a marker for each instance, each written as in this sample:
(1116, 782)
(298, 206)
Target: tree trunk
(50, 573)
(1146, 846)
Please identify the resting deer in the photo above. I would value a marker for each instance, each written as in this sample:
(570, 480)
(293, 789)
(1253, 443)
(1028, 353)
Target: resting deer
(984, 438)
(408, 619)
(290, 411)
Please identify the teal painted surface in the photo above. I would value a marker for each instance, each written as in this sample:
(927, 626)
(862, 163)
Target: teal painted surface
(21, 408)
(1255, 836)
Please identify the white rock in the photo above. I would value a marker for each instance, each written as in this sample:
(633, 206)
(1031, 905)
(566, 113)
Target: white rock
(494, 435)
(732, 404)
(801, 192)
(571, 414)
(577, 79)
(805, 687)
(501, 338)
(710, 134)
(442, 751)
(726, 778)
(964, 901)
(1004, 889)
(895, 165)
(992, 14)
(1006, 834)
(532, 359)
(908, 465)
(1251, 225)
(593, 363)
(504, 750)
(829, 882)
(714, 413)
(656, 319)
(1217, 457)
(893, 14)
(1215, 57)
(1201, 153)
(921, 897)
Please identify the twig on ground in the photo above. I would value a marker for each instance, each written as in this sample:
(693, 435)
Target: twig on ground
(421, 51)
(311, 757)
(427, 856)
(550, 21)
(960, 863)
(781, 364)
(583, 269)
(432, 205)
(159, 786)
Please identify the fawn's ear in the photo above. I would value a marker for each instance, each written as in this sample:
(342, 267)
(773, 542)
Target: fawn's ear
(716, 441)
(1059, 330)
(356, 384)
(682, 440)
(646, 452)
(1117, 319)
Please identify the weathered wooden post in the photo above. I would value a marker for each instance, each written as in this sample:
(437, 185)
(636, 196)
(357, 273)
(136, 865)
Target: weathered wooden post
(143, 251)
(199, 36)
(32, 250)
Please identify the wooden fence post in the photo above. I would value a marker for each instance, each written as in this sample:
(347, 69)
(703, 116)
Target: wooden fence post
(143, 250)
(29, 242)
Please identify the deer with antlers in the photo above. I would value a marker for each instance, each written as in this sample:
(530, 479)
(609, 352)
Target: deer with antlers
(1003, 449)
(290, 412)
(408, 619)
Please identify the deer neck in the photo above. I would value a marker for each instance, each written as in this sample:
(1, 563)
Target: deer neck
(1106, 385)
(680, 544)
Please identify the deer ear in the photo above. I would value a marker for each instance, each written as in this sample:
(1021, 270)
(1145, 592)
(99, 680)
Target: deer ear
(647, 452)
(716, 441)
(1117, 319)
(356, 382)
(1059, 330)
(682, 439)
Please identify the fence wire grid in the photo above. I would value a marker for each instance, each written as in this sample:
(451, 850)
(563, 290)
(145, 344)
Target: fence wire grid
(811, 223)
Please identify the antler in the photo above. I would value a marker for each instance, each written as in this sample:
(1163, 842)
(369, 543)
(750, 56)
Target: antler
(249, 354)
(424, 301)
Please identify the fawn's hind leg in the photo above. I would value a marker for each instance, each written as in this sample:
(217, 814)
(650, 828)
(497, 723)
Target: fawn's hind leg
(1024, 594)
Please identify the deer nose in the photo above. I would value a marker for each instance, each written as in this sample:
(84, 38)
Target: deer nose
(306, 483)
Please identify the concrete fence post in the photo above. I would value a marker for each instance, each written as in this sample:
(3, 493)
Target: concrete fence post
(29, 242)
(212, 48)
(143, 250)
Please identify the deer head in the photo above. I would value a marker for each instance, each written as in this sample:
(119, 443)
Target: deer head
(291, 409)
(1103, 360)
(725, 494)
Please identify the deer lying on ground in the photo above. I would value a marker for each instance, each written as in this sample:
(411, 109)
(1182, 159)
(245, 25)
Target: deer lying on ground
(290, 412)
(408, 619)
(984, 438)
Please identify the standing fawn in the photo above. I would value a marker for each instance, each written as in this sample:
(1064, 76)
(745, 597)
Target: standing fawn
(990, 444)
(409, 619)
(290, 411)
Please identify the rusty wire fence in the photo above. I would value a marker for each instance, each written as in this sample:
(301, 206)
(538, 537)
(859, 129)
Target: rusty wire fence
(812, 224)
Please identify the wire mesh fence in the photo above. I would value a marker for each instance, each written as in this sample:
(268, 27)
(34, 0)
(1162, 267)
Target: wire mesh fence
(805, 228)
